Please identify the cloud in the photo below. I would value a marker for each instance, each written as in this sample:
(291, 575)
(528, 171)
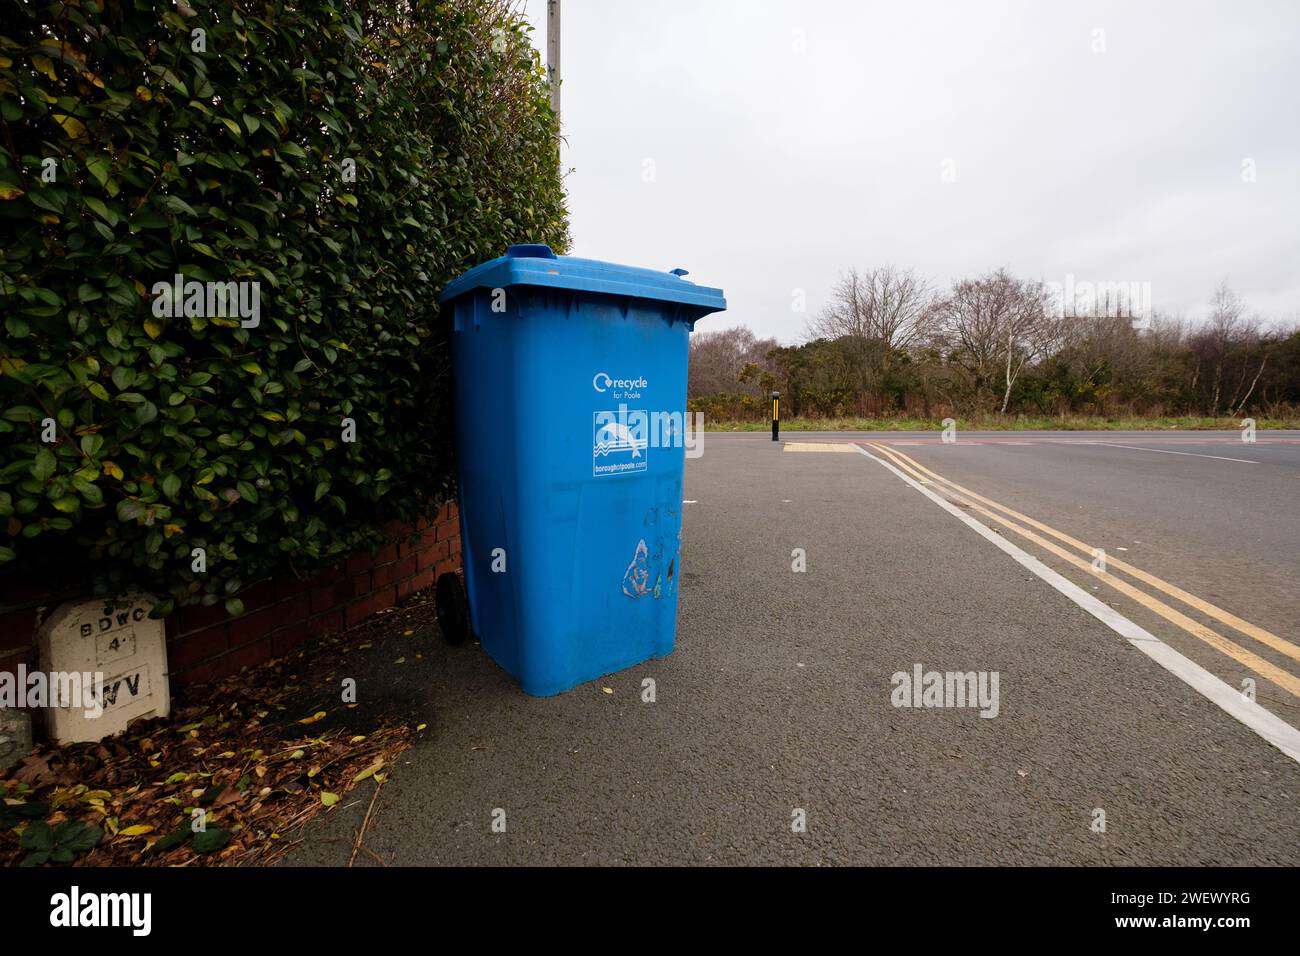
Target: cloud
(767, 146)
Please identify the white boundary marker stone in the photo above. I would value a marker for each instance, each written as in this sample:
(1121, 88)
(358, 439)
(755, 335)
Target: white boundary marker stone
(114, 638)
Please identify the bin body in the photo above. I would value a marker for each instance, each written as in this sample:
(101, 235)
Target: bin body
(570, 402)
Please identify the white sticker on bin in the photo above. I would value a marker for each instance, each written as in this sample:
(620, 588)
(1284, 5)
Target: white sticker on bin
(619, 443)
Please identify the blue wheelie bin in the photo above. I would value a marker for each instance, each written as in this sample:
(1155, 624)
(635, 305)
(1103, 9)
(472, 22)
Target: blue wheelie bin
(570, 407)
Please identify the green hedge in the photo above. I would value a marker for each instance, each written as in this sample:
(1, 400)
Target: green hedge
(229, 155)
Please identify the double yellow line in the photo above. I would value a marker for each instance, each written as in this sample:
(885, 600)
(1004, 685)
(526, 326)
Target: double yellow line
(989, 509)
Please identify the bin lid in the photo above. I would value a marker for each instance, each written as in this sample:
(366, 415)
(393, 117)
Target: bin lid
(537, 265)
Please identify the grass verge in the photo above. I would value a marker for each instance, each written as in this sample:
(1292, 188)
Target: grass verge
(1004, 423)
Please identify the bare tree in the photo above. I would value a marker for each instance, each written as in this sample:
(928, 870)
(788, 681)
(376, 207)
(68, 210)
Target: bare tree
(999, 325)
(888, 306)
(718, 357)
(1226, 313)
(1250, 345)
(874, 315)
(1263, 361)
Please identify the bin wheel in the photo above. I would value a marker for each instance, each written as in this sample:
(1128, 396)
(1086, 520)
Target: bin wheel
(452, 607)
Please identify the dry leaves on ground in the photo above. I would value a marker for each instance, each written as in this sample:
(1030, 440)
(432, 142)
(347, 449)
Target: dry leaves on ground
(243, 756)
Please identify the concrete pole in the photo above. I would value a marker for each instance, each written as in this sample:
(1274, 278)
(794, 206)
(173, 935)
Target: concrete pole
(553, 51)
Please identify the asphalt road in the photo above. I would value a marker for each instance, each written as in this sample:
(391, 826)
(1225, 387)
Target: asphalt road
(778, 704)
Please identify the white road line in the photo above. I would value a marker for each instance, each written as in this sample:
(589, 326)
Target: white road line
(1269, 726)
(1165, 451)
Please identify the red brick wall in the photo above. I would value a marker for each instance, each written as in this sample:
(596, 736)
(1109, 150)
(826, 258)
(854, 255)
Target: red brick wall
(204, 643)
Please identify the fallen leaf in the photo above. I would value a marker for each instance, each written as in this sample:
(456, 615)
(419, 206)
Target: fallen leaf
(34, 770)
(138, 829)
(329, 799)
(313, 718)
(173, 839)
(210, 840)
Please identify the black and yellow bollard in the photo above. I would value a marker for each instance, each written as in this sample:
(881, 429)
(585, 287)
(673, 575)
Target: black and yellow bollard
(776, 415)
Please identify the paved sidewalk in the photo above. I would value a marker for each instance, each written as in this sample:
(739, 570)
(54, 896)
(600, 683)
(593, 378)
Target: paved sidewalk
(778, 698)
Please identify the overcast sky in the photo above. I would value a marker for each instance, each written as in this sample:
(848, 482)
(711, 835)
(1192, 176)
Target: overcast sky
(767, 146)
